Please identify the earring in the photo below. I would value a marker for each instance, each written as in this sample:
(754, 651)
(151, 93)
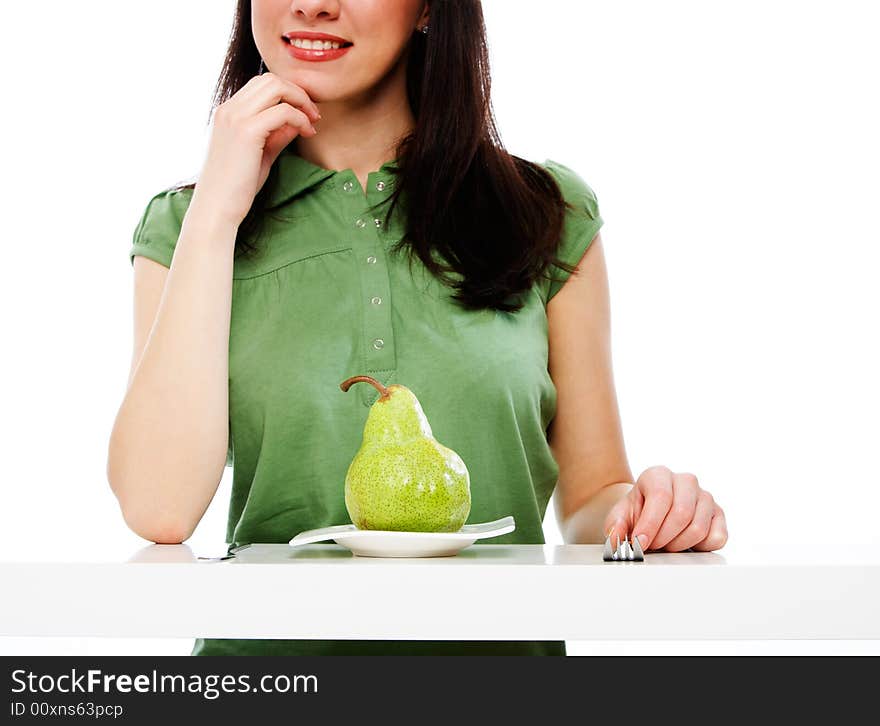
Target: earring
(424, 29)
(262, 68)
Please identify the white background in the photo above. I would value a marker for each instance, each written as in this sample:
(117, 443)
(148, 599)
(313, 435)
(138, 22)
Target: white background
(733, 148)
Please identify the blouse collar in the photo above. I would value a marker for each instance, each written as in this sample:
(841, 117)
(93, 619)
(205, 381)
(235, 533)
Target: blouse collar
(296, 175)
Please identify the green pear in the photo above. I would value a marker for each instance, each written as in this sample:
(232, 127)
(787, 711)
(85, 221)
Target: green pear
(402, 478)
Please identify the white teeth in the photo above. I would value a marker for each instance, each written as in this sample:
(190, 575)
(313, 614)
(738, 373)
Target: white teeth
(315, 44)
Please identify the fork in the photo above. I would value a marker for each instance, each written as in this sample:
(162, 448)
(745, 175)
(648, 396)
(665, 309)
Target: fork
(623, 552)
(228, 556)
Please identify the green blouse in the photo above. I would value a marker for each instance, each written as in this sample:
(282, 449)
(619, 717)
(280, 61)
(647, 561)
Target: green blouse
(325, 300)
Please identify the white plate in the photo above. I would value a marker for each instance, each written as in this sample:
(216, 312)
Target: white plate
(385, 543)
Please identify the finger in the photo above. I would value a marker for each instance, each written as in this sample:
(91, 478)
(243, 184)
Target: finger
(685, 490)
(615, 532)
(278, 140)
(616, 521)
(274, 118)
(717, 537)
(656, 487)
(249, 88)
(698, 529)
(274, 90)
(637, 503)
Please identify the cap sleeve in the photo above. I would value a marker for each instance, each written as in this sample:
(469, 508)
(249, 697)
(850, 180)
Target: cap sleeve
(156, 233)
(580, 226)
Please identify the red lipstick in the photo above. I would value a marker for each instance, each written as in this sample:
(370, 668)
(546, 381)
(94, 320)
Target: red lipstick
(315, 54)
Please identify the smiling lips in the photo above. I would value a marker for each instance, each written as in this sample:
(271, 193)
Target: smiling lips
(316, 54)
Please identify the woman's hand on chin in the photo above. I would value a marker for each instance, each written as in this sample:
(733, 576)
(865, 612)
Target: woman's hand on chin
(668, 511)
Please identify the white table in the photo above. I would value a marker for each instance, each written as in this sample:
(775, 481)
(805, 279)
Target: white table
(487, 592)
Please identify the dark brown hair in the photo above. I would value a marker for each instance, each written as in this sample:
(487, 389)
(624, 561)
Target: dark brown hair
(495, 218)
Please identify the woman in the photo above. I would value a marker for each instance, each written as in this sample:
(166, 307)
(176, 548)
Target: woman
(281, 273)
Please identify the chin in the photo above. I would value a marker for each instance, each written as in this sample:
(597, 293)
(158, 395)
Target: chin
(313, 90)
(327, 90)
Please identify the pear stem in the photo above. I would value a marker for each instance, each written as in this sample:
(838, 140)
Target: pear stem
(346, 384)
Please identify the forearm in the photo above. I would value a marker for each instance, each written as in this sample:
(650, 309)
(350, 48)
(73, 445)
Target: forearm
(168, 444)
(585, 524)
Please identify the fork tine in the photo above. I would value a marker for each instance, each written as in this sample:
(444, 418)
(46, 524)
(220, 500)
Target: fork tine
(624, 550)
(637, 549)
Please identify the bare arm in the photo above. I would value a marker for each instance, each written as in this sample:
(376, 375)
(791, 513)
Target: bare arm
(586, 435)
(167, 449)
(169, 440)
